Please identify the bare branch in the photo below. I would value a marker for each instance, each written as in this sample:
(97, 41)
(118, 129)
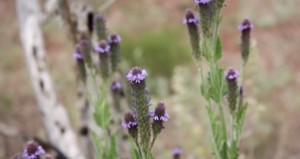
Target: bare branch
(55, 118)
(106, 5)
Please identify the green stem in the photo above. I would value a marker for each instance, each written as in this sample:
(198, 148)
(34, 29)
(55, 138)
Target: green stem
(234, 137)
(139, 148)
(223, 120)
(152, 143)
(217, 153)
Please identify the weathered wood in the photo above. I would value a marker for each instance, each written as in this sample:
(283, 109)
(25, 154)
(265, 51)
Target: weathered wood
(55, 117)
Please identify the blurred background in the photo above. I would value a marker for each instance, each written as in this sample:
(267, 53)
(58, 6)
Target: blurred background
(154, 37)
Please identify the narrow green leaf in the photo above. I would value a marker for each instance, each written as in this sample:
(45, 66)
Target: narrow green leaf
(113, 147)
(97, 145)
(218, 51)
(240, 118)
(135, 154)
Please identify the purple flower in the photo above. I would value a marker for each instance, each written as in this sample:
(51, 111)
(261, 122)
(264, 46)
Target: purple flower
(232, 94)
(160, 114)
(245, 29)
(116, 86)
(114, 39)
(129, 121)
(201, 1)
(191, 21)
(78, 54)
(231, 74)
(136, 75)
(176, 152)
(100, 17)
(190, 18)
(246, 25)
(103, 47)
(32, 150)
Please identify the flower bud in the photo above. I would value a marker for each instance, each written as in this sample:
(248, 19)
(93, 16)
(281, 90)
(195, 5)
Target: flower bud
(100, 27)
(117, 93)
(192, 25)
(114, 42)
(245, 29)
(159, 116)
(231, 76)
(116, 87)
(130, 122)
(32, 150)
(177, 152)
(80, 63)
(103, 50)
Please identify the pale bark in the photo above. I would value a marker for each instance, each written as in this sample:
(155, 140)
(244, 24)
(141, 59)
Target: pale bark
(54, 114)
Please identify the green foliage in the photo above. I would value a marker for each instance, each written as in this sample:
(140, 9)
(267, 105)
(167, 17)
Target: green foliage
(102, 113)
(218, 138)
(105, 148)
(218, 51)
(97, 145)
(240, 118)
(213, 87)
(135, 154)
(216, 84)
(161, 50)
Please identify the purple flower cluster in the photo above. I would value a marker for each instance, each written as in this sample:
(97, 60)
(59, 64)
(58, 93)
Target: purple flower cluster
(159, 114)
(114, 39)
(201, 1)
(246, 25)
(100, 17)
(116, 86)
(103, 47)
(231, 74)
(130, 121)
(32, 150)
(190, 18)
(78, 54)
(176, 152)
(136, 75)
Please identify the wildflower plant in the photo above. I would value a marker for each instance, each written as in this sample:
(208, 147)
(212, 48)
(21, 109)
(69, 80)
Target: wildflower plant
(98, 80)
(143, 125)
(218, 84)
